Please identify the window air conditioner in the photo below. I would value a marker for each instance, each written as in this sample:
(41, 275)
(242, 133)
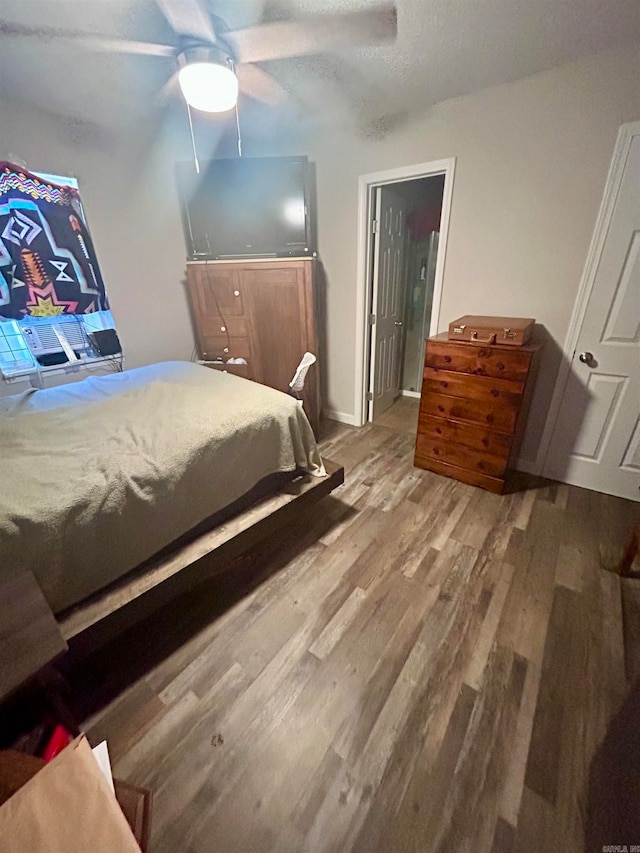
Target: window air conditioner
(64, 342)
(46, 340)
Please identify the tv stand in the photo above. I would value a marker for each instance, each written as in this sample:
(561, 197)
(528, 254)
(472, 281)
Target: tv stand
(262, 310)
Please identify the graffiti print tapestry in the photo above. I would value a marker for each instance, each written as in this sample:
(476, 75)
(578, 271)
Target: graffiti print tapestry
(48, 264)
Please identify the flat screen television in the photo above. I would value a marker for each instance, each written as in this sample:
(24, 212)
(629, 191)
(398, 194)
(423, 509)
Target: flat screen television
(246, 207)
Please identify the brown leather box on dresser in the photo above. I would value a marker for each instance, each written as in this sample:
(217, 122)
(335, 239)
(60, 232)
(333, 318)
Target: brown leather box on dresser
(473, 409)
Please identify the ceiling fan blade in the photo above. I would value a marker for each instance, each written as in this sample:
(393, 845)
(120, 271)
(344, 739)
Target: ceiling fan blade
(188, 18)
(259, 84)
(90, 41)
(314, 34)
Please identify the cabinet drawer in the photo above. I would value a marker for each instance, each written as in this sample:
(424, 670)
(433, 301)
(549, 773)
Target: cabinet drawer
(472, 411)
(464, 475)
(215, 296)
(220, 345)
(475, 437)
(216, 326)
(499, 392)
(463, 457)
(480, 361)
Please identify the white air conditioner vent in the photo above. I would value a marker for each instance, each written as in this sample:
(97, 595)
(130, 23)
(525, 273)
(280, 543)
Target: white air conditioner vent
(42, 338)
(46, 338)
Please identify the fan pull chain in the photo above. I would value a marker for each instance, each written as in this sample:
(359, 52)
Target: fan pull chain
(193, 140)
(238, 129)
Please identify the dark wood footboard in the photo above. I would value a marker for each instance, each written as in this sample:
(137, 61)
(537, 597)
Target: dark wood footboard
(181, 566)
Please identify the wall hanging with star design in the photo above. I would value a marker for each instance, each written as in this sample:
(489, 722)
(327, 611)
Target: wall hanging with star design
(48, 265)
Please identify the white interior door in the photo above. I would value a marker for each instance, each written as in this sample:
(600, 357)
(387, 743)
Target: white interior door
(596, 440)
(386, 329)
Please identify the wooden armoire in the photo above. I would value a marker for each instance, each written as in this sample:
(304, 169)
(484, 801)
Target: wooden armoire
(262, 311)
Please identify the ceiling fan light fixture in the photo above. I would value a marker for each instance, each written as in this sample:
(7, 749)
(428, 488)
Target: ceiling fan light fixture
(207, 80)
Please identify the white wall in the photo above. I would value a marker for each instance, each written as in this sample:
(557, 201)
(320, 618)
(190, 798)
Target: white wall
(127, 187)
(532, 158)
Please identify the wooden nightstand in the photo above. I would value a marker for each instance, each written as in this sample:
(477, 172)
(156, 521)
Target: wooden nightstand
(30, 641)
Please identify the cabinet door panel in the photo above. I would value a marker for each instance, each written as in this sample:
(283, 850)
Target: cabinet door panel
(217, 291)
(275, 298)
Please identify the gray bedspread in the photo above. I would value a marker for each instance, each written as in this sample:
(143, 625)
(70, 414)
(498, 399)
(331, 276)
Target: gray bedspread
(99, 475)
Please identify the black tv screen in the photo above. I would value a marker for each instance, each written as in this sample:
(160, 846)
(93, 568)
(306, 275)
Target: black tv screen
(246, 207)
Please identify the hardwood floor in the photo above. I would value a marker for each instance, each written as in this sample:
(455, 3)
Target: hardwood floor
(402, 416)
(417, 665)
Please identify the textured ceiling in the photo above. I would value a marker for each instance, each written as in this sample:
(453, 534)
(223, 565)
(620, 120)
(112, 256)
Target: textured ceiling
(445, 48)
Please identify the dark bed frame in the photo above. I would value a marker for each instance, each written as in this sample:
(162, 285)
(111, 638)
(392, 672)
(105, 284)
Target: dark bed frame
(269, 506)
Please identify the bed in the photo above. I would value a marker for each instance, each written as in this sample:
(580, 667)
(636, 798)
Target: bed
(99, 475)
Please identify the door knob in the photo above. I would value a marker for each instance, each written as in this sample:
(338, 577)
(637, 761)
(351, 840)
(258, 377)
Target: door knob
(586, 358)
(398, 322)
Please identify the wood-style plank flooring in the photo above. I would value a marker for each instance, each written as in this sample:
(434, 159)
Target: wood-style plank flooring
(402, 416)
(417, 665)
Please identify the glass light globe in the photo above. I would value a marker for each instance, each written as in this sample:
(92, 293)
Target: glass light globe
(208, 86)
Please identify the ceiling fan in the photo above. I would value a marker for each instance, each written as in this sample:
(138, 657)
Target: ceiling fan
(215, 62)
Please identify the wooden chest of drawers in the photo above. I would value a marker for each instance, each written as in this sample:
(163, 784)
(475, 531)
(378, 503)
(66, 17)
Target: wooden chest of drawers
(473, 409)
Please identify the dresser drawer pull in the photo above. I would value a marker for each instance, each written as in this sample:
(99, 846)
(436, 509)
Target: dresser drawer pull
(236, 293)
(500, 365)
(438, 431)
(495, 392)
(447, 358)
(445, 384)
(436, 451)
(223, 328)
(226, 349)
(441, 408)
(485, 441)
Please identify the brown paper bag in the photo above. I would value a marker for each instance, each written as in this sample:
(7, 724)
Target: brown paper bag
(67, 807)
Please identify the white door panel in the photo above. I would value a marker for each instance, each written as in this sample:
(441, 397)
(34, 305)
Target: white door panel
(591, 437)
(631, 458)
(623, 323)
(596, 440)
(388, 263)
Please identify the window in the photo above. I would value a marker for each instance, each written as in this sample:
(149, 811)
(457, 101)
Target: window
(57, 342)
(65, 342)
(16, 358)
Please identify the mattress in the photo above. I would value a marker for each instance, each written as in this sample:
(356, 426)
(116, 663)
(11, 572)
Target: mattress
(99, 475)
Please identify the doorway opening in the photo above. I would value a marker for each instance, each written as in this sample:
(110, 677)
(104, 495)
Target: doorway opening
(407, 213)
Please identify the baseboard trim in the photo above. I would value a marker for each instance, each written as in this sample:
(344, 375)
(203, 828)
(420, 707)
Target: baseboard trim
(411, 394)
(341, 417)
